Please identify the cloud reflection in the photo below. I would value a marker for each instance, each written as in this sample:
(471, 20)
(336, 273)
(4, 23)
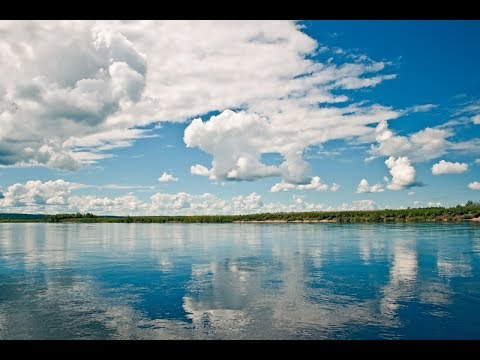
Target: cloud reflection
(231, 281)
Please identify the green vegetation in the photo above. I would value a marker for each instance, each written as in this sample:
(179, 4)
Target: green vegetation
(22, 217)
(469, 211)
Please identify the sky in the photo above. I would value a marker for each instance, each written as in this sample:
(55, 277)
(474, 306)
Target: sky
(231, 117)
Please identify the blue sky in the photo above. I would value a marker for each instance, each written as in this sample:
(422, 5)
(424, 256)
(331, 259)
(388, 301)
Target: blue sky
(238, 117)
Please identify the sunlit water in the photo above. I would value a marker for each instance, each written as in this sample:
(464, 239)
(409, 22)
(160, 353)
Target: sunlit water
(239, 281)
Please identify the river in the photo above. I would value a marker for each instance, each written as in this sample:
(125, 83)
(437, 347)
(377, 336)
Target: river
(240, 281)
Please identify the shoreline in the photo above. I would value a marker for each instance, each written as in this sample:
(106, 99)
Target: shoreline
(356, 222)
(460, 213)
(273, 221)
(286, 221)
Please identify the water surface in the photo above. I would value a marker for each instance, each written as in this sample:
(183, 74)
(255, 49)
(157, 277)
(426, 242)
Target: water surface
(240, 281)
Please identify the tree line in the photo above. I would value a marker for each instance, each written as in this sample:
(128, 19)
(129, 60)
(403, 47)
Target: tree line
(468, 211)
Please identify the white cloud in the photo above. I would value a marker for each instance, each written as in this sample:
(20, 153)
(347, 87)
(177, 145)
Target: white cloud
(200, 170)
(446, 167)
(167, 177)
(351, 83)
(474, 185)
(335, 187)
(37, 193)
(423, 145)
(410, 193)
(362, 205)
(252, 202)
(403, 173)
(237, 139)
(299, 204)
(434, 204)
(62, 80)
(358, 205)
(123, 205)
(422, 108)
(365, 187)
(74, 90)
(476, 119)
(118, 187)
(469, 107)
(58, 197)
(467, 147)
(207, 203)
(314, 184)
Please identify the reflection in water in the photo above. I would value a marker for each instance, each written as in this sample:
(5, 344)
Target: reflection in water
(458, 267)
(453, 260)
(234, 281)
(403, 274)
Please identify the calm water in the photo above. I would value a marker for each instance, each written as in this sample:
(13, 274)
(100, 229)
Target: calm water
(231, 281)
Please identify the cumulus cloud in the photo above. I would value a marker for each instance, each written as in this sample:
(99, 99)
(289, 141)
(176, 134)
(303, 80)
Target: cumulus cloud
(181, 203)
(167, 177)
(360, 205)
(315, 184)
(403, 173)
(123, 205)
(62, 80)
(252, 202)
(422, 145)
(232, 138)
(365, 187)
(58, 196)
(476, 119)
(446, 167)
(238, 139)
(73, 90)
(38, 193)
(474, 185)
(299, 204)
(200, 170)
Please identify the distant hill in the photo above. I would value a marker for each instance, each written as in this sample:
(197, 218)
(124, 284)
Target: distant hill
(12, 217)
(7, 216)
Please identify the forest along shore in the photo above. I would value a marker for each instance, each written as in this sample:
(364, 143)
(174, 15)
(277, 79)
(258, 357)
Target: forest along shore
(467, 212)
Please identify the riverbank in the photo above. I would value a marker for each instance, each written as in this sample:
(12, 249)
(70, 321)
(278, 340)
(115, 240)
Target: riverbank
(467, 212)
(284, 221)
(335, 221)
